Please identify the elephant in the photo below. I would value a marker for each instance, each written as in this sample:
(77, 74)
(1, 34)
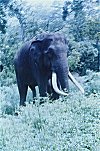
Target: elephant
(43, 62)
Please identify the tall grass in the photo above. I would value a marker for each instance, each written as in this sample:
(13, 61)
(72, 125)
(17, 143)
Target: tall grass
(67, 124)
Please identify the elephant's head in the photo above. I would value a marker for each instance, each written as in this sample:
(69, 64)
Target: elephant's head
(49, 53)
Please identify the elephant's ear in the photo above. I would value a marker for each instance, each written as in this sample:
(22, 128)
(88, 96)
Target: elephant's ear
(35, 44)
(35, 49)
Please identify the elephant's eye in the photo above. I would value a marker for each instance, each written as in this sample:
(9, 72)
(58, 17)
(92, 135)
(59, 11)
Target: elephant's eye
(50, 53)
(32, 48)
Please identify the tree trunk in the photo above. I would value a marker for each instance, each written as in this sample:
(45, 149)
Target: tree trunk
(98, 48)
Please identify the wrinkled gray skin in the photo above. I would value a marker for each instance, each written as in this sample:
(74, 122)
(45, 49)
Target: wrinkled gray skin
(35, 62)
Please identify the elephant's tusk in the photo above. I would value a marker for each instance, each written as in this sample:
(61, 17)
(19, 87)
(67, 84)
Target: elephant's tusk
(75, 82)
(55, 87)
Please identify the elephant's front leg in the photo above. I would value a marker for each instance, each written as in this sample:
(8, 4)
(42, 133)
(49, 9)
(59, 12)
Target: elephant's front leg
(51, 92)
(42, 90)
(43, 81)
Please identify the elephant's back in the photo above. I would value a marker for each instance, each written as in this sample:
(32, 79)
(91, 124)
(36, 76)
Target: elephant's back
(22, 63)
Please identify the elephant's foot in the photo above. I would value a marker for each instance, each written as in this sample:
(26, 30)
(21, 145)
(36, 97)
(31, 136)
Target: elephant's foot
(33, 101)
(54, 96)
(42, 100)
(22, 104)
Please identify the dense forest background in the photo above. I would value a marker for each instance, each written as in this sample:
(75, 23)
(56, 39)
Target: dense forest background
(79, 20)
(71, 123)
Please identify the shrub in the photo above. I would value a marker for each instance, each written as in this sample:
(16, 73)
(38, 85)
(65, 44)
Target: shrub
(9, 99)
(92, 82)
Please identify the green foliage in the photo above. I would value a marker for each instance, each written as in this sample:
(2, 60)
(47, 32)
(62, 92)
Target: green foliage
(65, 12)
(71, 123)
(92, 82)
(93, 29)
(77, 6)
(78, 22)
(73, 60)
(7, 56)
(82, 56)
(2, 20)
(84, 30)
(9, 99)
(24, 21)
(87, 57)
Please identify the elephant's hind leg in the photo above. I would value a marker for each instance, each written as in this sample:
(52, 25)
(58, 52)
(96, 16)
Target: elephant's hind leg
(23, 92)
(32, 87)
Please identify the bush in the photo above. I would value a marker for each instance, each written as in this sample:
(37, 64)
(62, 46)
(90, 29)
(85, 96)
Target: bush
(9, 99)
(87, 57)
(73, 60)
(82, 56)
(69, 124)
(92, 82)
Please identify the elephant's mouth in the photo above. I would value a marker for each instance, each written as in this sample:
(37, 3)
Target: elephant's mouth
(56, 89)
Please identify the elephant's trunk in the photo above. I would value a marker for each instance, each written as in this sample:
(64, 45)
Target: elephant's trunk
(61, 69)
(62, 73)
